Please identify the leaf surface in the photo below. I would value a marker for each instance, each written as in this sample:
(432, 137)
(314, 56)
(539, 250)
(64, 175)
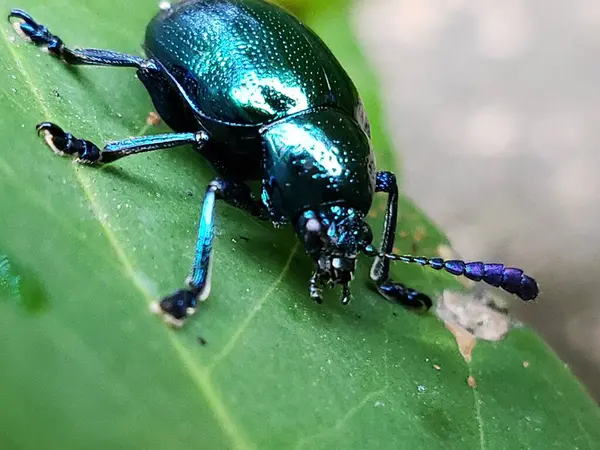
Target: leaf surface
(83, 252)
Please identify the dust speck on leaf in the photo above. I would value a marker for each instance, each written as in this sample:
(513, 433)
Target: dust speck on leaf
(437, 367)
(153, 119)
(471, 381)
(526, 364)
(421, 388)
(419, 234)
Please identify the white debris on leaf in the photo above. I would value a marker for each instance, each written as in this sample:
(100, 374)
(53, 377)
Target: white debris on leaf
(478, 313)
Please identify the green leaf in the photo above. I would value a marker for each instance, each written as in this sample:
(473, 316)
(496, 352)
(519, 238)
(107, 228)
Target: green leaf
(83, 364)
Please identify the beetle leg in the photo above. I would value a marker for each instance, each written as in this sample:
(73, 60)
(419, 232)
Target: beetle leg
(87, 152)
(39, 35)
(395, 292)
(315, 285)
(180, 305)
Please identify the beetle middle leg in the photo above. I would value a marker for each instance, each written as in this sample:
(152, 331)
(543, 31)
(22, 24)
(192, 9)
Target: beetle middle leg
(395, 292)
(39, 35)
(178, 306)
(62, 143)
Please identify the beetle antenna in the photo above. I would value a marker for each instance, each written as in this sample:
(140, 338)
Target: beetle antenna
(510, 279)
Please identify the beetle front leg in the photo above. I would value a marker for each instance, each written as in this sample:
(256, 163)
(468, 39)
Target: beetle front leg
(63, 143)
(39, 35)
(395, 292)
(183, 303)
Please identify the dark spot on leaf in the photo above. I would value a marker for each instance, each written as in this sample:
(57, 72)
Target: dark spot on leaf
(201, 340)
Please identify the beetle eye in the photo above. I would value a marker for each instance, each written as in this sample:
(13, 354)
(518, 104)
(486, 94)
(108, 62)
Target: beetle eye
(313, 226)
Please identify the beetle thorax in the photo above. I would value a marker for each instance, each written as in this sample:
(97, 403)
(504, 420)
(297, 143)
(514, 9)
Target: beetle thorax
(318, 158)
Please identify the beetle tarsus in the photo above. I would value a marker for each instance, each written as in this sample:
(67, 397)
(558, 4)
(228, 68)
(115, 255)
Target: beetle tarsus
(400, 294)
(175, 308)
(63, 143)
(35, 32)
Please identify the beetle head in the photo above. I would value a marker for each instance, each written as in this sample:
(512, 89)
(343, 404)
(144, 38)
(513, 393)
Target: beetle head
(333, 237)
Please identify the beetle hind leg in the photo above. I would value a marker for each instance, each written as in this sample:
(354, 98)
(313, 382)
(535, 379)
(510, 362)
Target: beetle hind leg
(27, 27)
(392, 291)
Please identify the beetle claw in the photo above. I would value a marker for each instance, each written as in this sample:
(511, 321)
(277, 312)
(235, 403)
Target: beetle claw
(175, 308)
(29, 29)
(63, 143)
(346, 296)
(22, 17)
(316, 296)
(315, 291)
(49, 131)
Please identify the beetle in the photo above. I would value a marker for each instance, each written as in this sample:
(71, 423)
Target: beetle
(261, 97)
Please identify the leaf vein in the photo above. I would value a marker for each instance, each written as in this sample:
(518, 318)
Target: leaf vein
(230, 345)
(478, 416)
(303, 442)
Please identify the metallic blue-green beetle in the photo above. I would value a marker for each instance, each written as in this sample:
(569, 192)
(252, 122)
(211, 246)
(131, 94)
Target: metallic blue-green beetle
(261, 97)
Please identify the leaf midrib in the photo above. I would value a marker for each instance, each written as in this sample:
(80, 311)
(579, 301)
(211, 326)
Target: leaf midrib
(200, 376)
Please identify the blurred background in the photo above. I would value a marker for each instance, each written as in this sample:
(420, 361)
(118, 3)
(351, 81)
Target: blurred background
(494, 107)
